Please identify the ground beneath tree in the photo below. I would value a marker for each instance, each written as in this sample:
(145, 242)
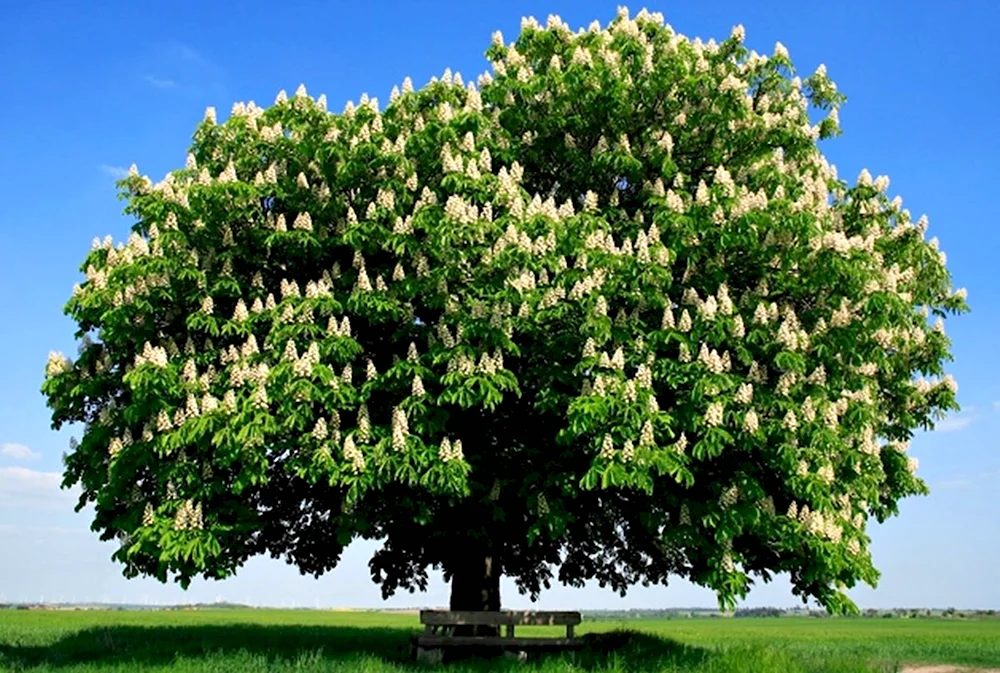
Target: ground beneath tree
(939, 668)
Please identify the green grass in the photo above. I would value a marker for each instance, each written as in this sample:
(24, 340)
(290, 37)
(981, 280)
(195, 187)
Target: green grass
(305, 641)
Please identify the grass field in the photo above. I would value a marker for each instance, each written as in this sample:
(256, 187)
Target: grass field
(305, 641)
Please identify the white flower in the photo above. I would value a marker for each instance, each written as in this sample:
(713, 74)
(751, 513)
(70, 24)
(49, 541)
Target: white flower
(363, 283)
(319, 431)
(607, 447)
(400, 429)
(701, 196)
(646, 437)
(744, 394)
(354, 455)
(303, 221)
(628, 450)
(57, 364)
(448, 452)
(618, 359)
(714, 414)
(826, 474)
(364, 423)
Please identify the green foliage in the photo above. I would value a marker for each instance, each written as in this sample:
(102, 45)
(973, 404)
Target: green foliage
(611, 312)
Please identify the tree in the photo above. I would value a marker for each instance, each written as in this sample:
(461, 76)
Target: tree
(609, 316)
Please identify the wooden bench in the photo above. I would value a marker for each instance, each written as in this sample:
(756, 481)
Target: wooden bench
(440, 626)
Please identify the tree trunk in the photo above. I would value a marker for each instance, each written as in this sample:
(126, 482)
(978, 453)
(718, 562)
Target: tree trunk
(475, 586)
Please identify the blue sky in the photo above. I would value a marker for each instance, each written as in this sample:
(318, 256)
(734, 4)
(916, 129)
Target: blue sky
(91, 87)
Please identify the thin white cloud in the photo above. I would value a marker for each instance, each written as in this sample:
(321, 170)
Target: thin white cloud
(178, 68)
(18, 452)
(187, 52)
(117, 172)
(996, 405)
(160, 83)
(14, 529)
(22, 487)
(966, 482)
(959, 484)
(953, 423)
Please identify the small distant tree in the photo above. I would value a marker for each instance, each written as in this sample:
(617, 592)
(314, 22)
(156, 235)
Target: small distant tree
(610, 315)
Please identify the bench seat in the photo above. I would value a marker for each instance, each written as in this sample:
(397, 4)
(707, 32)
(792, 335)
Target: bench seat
(516, 643)
(440, 625)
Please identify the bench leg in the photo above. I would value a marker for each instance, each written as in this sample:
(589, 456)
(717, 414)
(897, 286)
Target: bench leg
(517, 655)
(429, 655)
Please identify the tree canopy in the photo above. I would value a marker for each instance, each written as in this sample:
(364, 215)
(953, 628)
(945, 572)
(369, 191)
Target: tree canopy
(609, 315)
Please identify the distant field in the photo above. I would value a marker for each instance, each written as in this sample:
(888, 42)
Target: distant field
(305, 641)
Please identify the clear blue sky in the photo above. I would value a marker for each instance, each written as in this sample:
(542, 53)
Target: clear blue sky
(90, 87)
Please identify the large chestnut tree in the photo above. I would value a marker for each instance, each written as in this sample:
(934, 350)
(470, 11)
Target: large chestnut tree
(609, 315)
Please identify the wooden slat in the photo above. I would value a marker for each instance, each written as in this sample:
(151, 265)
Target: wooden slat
(511, 643)
(505, 617)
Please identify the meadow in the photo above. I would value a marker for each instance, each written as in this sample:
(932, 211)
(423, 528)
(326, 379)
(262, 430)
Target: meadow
(202, 641)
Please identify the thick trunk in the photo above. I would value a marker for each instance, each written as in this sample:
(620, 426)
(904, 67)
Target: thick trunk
(475, 586)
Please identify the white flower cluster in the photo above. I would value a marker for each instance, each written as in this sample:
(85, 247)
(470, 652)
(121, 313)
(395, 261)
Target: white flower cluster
(364, 424)
(450, 450)
(57, 364)
(302, 366)
(400, 429)
(354, 455)
(607, 447)
(189, 517)
(713, 361)
(714, 414)
(148, 516)
(816, 522)
(152, 355)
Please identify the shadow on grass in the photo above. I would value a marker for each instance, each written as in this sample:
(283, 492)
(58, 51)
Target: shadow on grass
(142, 646)
(654, 652)
(160, 645)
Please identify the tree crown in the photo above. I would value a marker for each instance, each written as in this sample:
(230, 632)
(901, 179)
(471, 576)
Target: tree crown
(610, 312)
